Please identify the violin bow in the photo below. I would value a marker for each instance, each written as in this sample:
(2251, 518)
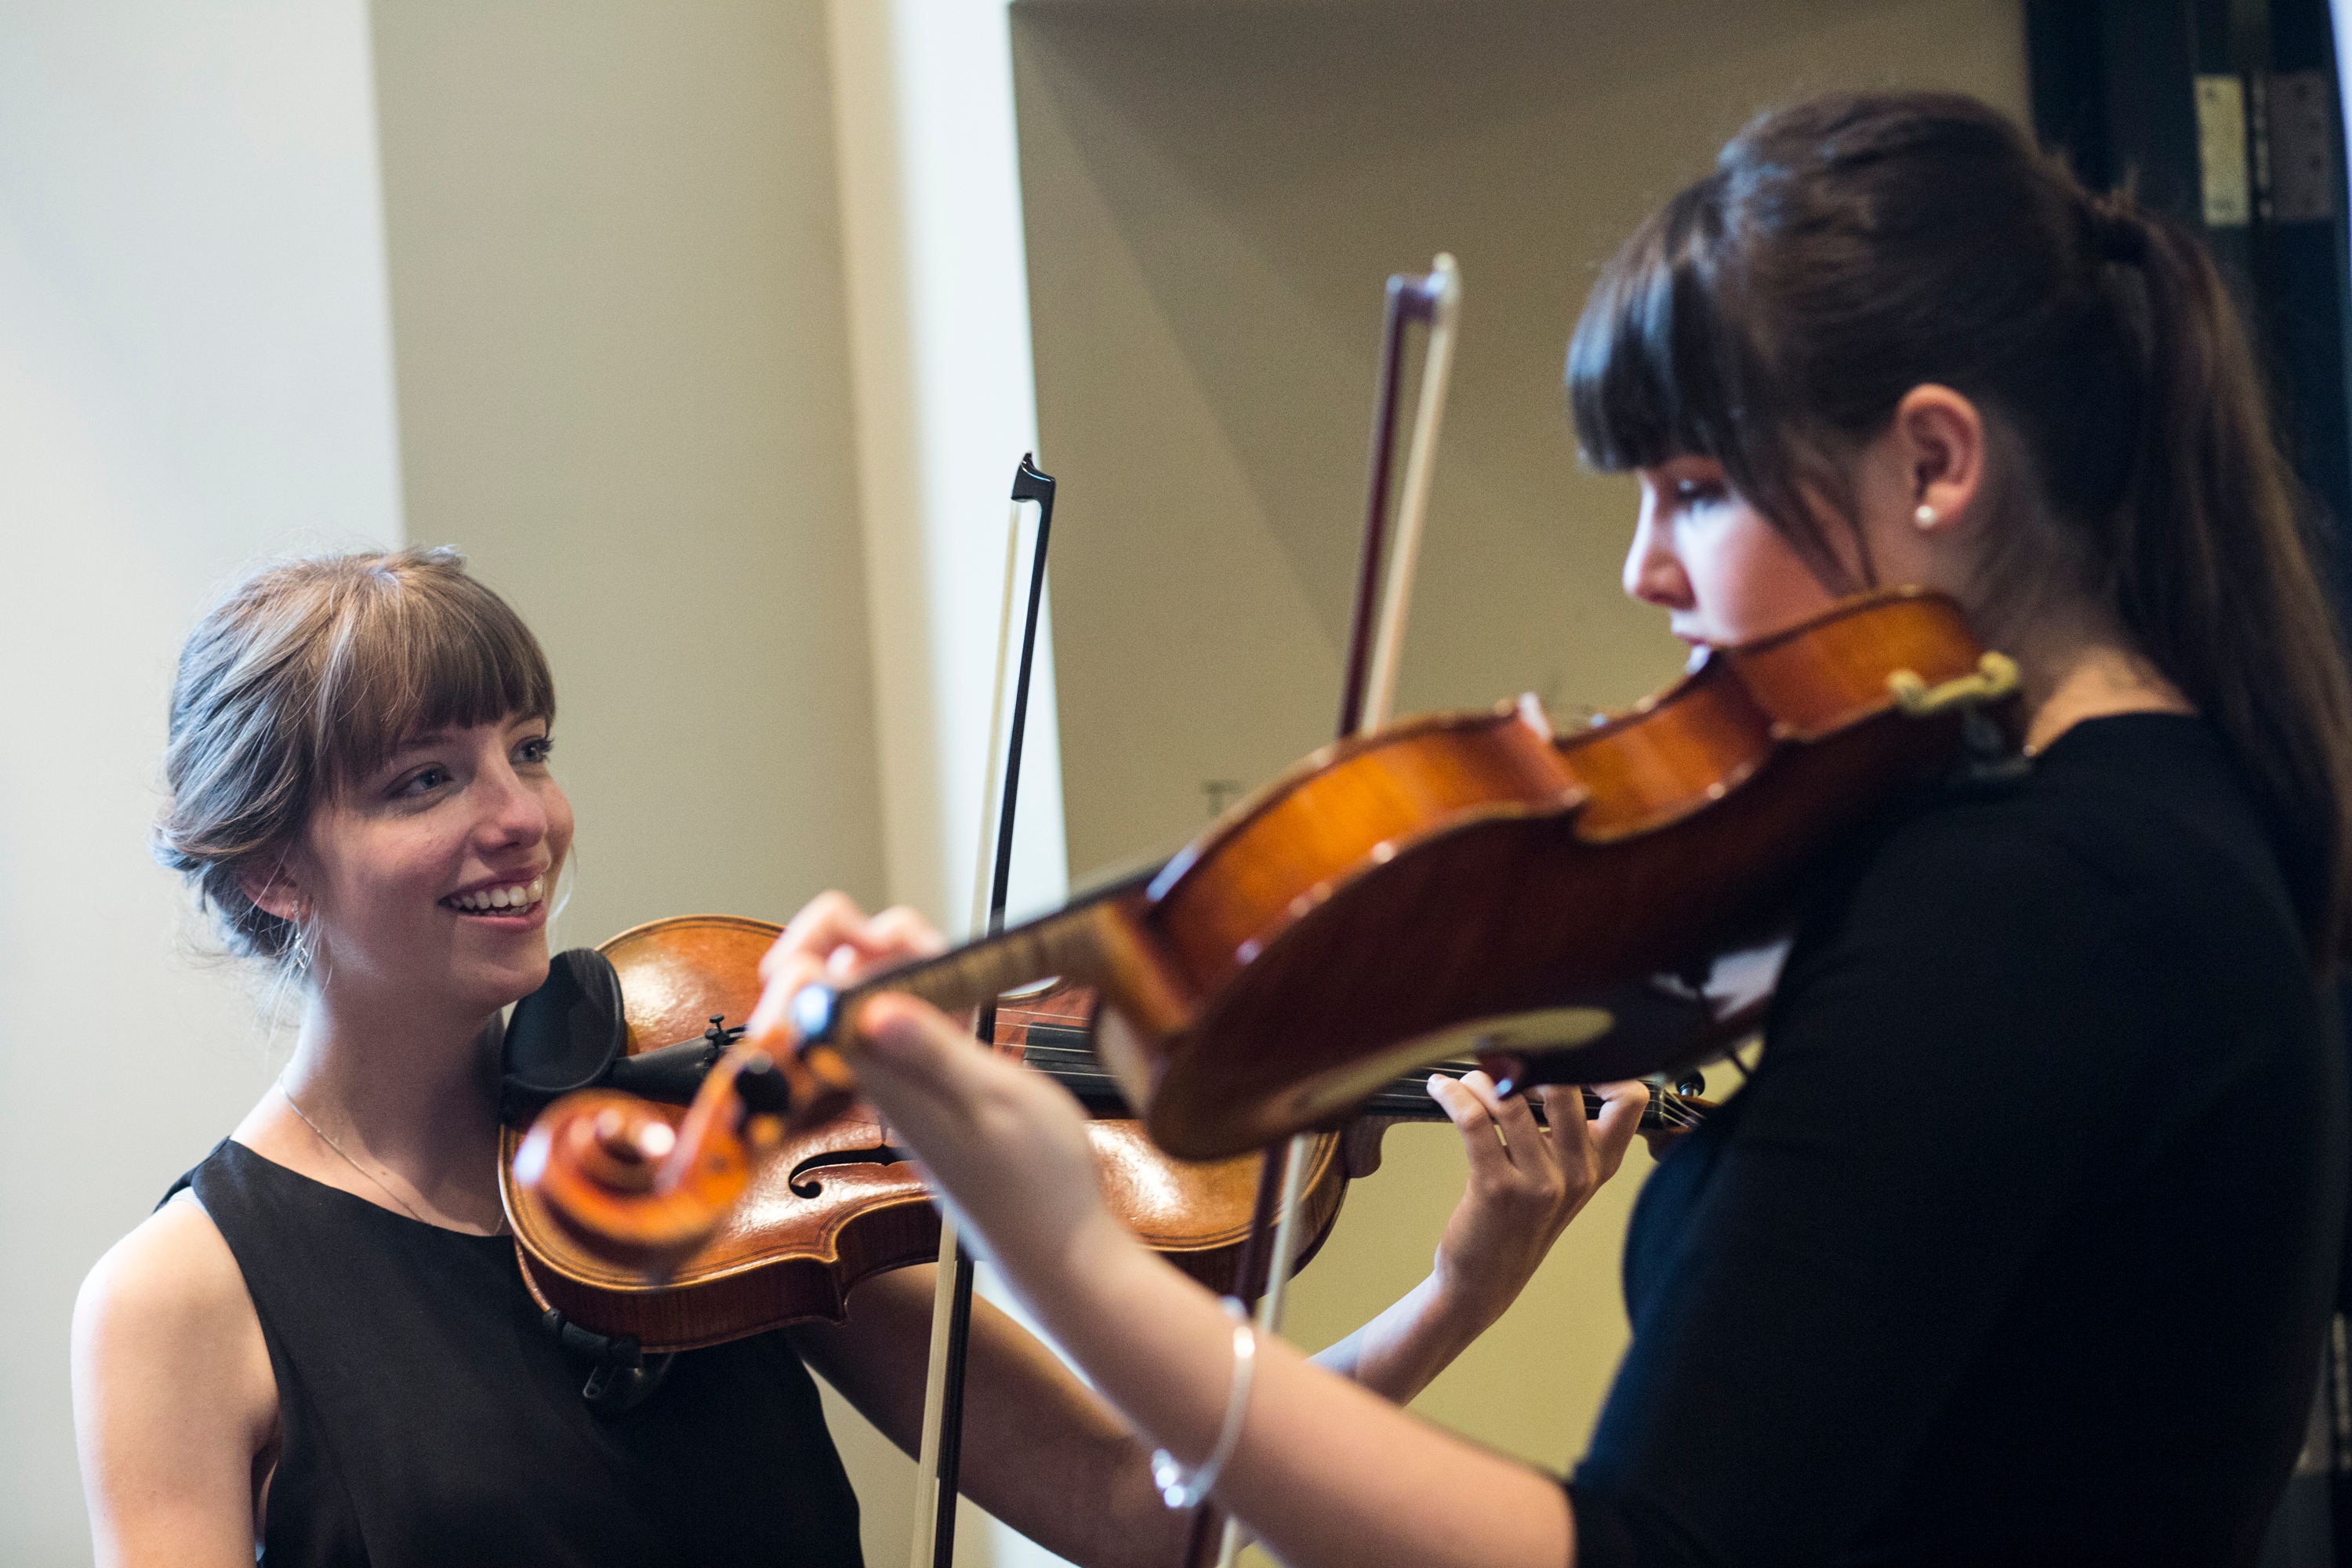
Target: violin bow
(940, 1458)
(1368, 695)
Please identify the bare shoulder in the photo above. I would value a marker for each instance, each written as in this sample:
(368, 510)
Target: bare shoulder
(176, 1407)
(170, 1287)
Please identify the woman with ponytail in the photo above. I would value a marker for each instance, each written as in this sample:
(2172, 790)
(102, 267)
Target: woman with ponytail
(2019, 1245)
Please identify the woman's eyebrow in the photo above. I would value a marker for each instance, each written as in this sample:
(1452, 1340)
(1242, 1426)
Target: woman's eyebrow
(426, 741)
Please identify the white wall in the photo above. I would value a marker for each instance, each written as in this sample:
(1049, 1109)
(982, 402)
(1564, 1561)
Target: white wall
(938, 302)
(194, 373)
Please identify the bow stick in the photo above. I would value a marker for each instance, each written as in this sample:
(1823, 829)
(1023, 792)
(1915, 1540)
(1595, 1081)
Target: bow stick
(1366, 698)
(940, 1458)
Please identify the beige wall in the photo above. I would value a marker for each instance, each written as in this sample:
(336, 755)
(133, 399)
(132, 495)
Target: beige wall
(617, 313)
(1214, 193)
(195, 374)
(625, 391)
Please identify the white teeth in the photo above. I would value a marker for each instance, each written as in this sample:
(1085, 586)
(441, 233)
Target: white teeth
(519, 897)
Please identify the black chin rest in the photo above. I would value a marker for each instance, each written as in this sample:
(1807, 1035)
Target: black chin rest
(571, 1033)
(564, 1035)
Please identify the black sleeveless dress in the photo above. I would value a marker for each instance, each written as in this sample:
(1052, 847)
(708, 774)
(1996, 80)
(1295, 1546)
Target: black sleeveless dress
(428, 1416)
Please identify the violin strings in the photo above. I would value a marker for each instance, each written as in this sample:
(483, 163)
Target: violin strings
(1076, 1068)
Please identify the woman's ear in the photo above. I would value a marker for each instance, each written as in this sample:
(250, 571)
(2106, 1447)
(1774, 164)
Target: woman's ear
(1938, 438)
(274, 891)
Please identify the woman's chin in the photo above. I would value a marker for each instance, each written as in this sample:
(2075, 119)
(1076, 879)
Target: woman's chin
(491, 985)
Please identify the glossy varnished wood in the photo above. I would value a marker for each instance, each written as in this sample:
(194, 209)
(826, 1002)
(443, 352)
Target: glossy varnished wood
(775, 1256)
(1636, 847)
(786, 1251)
(1357, 916)
(1319, 938)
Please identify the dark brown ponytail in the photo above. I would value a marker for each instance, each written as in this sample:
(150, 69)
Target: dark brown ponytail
(1844, 251)
(2212, 573)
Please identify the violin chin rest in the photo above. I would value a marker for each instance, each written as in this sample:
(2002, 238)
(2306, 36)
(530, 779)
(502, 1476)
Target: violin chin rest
(562, 1037)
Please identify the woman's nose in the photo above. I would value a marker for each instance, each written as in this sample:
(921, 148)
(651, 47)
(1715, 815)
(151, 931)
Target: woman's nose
(1653, 575)
(513, 814)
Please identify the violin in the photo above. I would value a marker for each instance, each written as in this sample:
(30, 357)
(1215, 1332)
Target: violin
(840, 1203)
(1597, 901)
(1587, 907)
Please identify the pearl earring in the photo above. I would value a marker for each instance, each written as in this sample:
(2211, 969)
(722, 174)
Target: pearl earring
(1926, 517)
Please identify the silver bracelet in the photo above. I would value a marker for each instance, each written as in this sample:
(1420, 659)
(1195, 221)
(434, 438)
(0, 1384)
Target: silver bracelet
(1180, 1488)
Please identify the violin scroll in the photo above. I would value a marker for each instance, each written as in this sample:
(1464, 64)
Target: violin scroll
(642, 1186)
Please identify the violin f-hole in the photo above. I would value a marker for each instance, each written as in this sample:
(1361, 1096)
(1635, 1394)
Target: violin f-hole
(880, 1154)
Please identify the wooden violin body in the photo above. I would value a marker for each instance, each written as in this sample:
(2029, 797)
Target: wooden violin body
(1195, 1214)
(835, 1203)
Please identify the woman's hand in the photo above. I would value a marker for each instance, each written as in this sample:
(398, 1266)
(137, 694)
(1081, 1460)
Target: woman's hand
(1526, 1183)
(1004, 1147)
(1316, 1466)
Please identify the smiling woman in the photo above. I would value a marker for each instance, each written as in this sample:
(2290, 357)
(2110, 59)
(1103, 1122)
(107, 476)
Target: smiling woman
(328, 714)
(321, 1346)
(308, 678)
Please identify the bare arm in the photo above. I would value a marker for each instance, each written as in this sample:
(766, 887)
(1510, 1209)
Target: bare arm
(1527, 1182)
(1325, 1471)
(175, 1407)
(1040, 1452)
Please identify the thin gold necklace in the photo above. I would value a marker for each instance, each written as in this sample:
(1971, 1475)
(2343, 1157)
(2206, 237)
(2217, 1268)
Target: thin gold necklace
(296, 1106)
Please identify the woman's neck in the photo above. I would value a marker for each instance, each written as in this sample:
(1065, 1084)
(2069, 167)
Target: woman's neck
(398, 1109)
(2081, 665)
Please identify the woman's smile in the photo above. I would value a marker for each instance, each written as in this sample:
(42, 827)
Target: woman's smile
(519, 902)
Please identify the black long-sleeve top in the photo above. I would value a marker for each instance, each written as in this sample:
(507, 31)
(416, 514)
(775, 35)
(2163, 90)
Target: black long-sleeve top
(2020, 1246)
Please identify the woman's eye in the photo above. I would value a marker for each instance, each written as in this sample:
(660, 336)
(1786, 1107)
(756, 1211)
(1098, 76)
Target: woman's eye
(1690, 493)
(425, 781)
(534, 752)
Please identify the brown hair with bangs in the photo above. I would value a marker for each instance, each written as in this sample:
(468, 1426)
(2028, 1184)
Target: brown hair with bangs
(1845, 250)
(309, 676)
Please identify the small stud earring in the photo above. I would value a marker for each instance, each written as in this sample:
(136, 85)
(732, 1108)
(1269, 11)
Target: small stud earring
(1926, 517)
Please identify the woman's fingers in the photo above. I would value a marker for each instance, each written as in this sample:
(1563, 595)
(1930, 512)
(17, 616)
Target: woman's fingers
(833, 941)
(1500, 1135)
(1468, 1111)
(824, 923)
(901, 931)
(1619, 1119)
